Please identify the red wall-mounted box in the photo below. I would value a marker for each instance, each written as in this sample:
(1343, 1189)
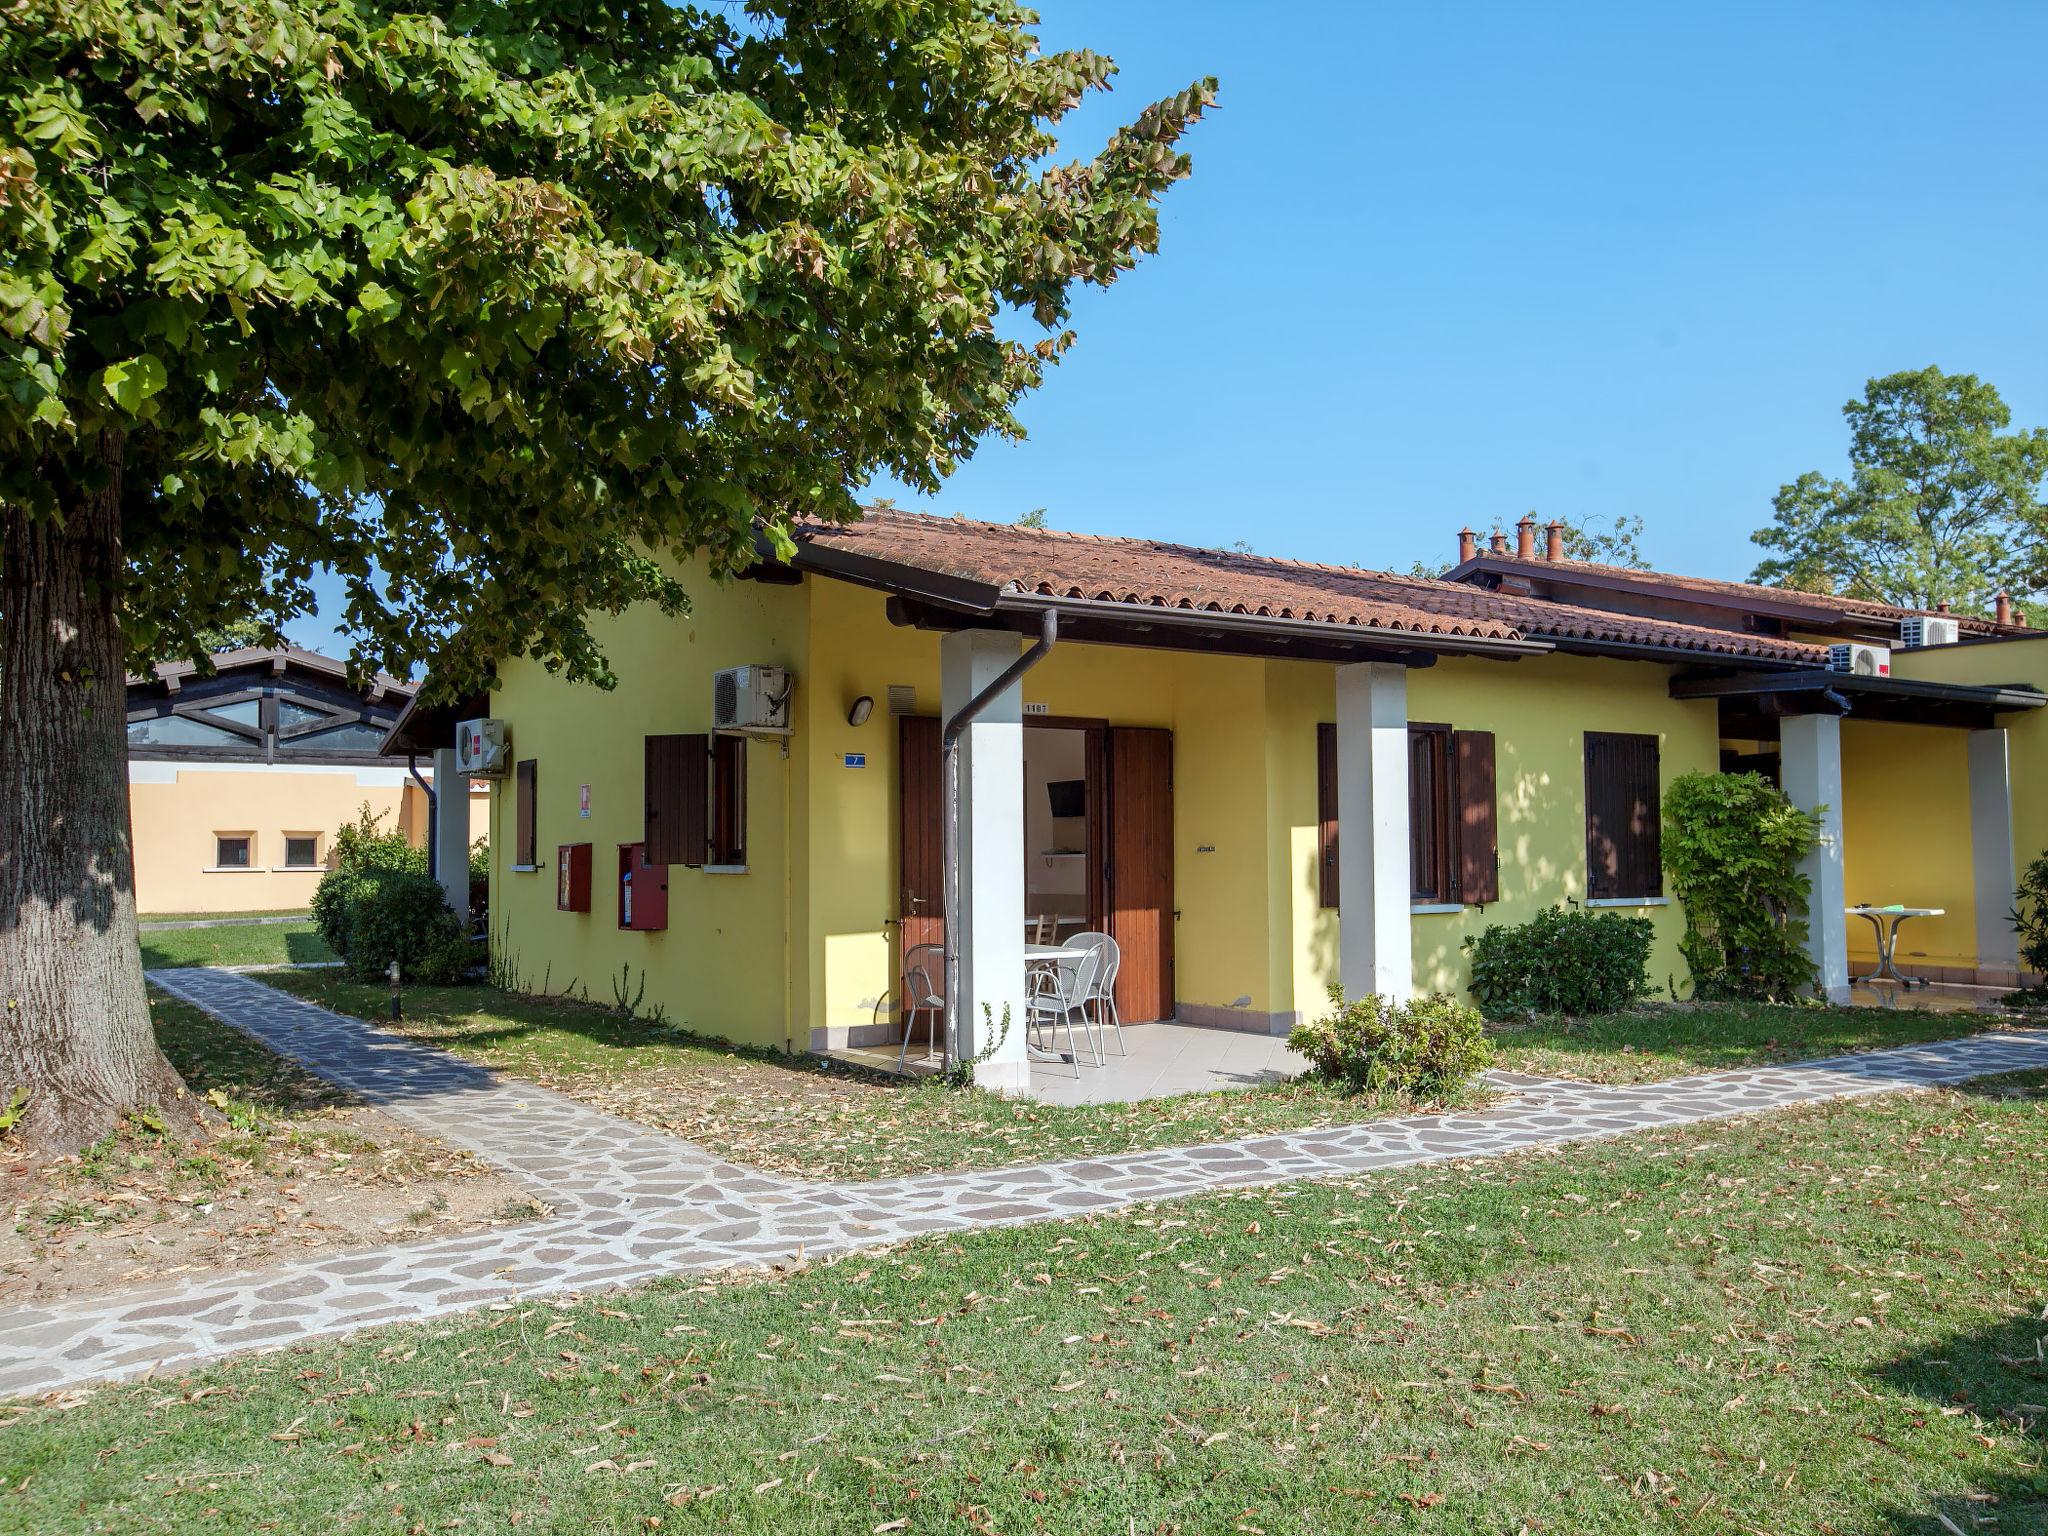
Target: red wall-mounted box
(643, 890)
(572, 877)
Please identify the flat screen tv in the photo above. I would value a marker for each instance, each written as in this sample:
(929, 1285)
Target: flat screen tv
(1069, 797)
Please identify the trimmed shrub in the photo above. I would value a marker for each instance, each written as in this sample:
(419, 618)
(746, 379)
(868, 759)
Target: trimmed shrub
(2030, 918)
(1563, 960)
(1732, 843)
(1429, 1046)
(378, 903)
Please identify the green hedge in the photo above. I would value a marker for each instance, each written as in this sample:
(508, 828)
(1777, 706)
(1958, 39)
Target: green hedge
(379, 904)
(1431, 1045)
(1563, 960)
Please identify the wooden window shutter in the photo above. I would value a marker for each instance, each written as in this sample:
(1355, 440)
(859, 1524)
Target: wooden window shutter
(1326, 813)
(1624, 833)
(1478, 826)
(526, 840)
(667, 824)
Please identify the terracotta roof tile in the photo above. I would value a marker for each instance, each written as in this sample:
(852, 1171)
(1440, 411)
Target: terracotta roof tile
(1149, 573)
(1707, 586)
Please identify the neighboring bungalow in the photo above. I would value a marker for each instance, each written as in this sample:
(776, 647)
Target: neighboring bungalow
(238, 780)
(1196, 737)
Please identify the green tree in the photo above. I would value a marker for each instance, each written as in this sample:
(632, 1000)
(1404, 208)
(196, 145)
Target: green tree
(497, 309)
(1035, 519)
(235, 635)
(1613, 540)
(1942, 503)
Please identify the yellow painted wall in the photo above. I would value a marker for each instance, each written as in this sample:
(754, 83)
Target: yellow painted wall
(1539, 710)
(722, 965)
(2022, 661)
(178, 809)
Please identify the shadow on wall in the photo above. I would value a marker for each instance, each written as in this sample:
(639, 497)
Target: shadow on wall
(1998, 1374)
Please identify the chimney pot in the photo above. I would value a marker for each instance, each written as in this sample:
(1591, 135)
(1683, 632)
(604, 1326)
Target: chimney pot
(1468, 545)
(2004, 608)
(1942, 606)
(1553, 543)
(1525, 538)
(1499, 542)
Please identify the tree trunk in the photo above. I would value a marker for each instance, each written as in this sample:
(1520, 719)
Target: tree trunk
(74, 1015)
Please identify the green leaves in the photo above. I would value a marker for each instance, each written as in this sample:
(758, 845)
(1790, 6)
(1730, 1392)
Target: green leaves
(483, 305)
(131, 383)
(1733, 843)
(1943, 505)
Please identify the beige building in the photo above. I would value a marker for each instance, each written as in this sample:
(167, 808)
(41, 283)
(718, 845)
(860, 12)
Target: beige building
(238, 781)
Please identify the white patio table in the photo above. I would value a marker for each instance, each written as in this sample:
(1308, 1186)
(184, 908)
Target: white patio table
(1042, 957)
(1888, 940)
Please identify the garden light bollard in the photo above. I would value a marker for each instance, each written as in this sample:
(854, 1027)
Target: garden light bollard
(394, 991)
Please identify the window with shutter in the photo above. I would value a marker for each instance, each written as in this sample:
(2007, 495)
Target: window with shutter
(1431, 850)
(667, 823)
(1326, 813)
(1453, 838)
(729, 801)
(526, 814)
(1624, 842)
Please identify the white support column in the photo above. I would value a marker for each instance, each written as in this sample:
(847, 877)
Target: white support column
(1991, 853)
(989, 948)
(1810, 763)
(451, 831)
(1375, 949)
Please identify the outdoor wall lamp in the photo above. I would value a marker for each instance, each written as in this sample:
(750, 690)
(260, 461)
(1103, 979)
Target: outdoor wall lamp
(857, 713)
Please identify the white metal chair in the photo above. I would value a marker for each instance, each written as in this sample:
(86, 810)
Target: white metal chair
(1059, 996)
(1100, 1007)
(924, 991)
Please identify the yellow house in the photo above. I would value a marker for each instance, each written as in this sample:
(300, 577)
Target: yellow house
(238, 780)
(1259, 776)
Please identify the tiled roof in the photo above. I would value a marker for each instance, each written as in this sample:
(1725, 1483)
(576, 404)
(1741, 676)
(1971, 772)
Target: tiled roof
(1148, 573)
(1739, 591)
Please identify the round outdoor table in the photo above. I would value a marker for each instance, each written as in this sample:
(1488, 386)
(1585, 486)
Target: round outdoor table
(1888, 940)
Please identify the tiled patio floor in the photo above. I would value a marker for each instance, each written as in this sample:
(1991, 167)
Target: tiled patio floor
(1160, 1060)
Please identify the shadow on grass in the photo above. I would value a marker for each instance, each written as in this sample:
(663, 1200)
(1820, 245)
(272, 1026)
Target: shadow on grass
(306, 949)
(1999, 1374)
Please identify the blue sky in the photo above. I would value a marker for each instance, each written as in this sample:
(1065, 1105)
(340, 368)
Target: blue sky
(1445, 264)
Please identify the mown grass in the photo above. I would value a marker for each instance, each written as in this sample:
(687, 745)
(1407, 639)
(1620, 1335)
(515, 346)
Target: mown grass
(1823, 1321)
(803, 1115)
(248, 944)
(1644, 1044)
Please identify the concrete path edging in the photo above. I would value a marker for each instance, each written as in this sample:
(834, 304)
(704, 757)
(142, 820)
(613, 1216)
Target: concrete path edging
(632, 1204)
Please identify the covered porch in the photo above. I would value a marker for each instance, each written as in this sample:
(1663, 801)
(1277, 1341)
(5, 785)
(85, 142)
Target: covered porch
(1914, 879)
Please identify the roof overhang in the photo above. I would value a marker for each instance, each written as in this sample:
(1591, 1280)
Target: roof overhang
(1762, 698)
(430, 727)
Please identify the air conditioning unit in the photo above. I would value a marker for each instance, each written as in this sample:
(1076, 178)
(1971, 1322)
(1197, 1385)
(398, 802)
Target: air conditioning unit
(480, 749)
(1861, 660)
(751, 699)
(1924, 629)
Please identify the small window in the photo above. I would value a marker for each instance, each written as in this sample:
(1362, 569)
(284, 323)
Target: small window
(525, 839)
(232, 852)
(1624, 841)
(1431, 847)
(301, 850)
(184, 731)
(729, 801)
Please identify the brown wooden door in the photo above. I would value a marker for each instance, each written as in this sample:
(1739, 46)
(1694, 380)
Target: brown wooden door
(921, 842)
(1139, 817)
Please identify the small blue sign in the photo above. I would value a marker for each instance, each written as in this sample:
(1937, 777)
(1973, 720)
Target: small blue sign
(856, 759)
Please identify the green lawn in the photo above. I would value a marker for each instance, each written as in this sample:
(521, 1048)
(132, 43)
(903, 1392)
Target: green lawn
(1823, 1321)
(1672, 1041)
(207, 917)
(798, 1114)
(251, 944)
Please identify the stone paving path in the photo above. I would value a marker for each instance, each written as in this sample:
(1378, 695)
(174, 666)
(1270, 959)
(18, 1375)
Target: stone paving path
(631, 1204)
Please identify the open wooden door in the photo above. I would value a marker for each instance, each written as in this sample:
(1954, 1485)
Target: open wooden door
(1139, 839)
(921, 842)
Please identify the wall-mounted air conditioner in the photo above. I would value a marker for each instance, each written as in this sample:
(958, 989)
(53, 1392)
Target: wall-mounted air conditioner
(1924, 629)
(751, 699)
(480, 749)
(1861, 660)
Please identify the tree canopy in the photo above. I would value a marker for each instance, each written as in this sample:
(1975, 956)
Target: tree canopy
(487, 304)
(1942, 504)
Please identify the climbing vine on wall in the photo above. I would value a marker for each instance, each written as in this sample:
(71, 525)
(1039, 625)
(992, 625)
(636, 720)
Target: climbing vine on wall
(1732, 845)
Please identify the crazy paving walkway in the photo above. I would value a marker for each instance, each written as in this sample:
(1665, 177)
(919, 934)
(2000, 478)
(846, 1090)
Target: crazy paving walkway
(630, 1204)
